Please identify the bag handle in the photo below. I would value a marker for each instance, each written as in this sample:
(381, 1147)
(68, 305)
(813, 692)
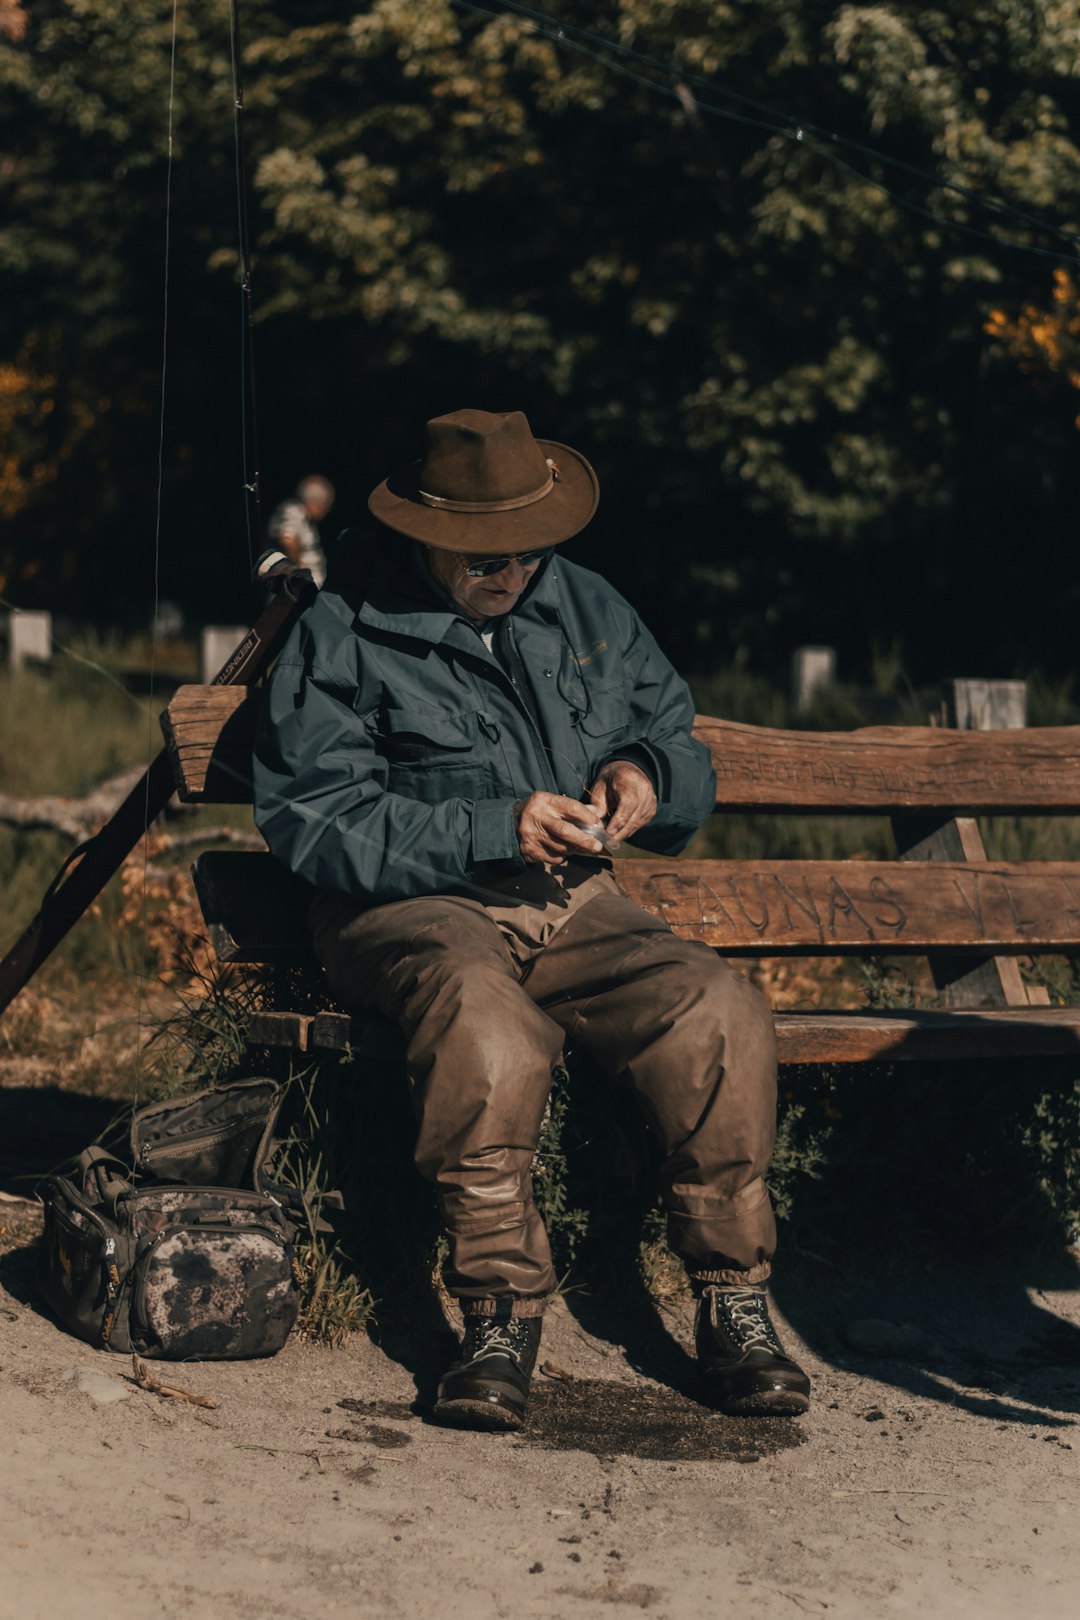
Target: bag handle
(97, 1173)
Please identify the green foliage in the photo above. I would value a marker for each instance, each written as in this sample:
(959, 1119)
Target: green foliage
(335, 1300)
(203, 1040)
(95, 728)
(883, 1165)
(1049, 1137)
(781, 371)
(567, 1225)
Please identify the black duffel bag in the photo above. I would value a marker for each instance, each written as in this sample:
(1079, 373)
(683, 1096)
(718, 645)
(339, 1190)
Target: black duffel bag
(191, 1256)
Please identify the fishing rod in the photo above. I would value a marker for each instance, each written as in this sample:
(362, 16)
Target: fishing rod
(91, 864)
(249, 417)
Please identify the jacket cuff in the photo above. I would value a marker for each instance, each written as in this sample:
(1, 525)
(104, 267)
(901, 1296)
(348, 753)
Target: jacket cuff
(494, 835)
(644, 757)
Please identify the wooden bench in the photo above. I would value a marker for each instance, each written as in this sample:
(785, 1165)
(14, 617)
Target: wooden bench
(940, 897)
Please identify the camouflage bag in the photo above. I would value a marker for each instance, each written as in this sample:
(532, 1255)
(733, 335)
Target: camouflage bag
(190, 1257)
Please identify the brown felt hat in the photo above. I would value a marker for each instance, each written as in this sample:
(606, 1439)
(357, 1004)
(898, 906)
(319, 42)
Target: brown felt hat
(486, 486)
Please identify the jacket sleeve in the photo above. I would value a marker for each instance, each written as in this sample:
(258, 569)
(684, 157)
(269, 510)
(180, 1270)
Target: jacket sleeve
(662, 711)
(322, 804)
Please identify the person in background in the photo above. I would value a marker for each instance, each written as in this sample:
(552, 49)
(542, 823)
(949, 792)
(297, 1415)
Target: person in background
(295, 525)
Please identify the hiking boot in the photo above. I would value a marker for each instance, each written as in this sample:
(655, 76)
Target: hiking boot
(740, 1357)
(487, 1387)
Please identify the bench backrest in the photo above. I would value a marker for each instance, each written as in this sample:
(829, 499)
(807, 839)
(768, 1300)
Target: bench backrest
(890, 770)
(941, 897)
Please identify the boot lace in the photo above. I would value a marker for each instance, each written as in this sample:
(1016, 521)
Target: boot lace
(488, 1338)
(745, 1313)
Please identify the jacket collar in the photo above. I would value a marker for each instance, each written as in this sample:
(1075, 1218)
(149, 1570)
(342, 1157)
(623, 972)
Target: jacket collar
(403, 599)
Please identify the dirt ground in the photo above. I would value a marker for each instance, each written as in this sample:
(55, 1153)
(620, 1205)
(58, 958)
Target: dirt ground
(937, 1473)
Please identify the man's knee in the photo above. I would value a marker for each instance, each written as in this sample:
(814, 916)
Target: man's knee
(706, 997)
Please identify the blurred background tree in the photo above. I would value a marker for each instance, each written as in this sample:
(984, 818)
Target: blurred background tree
(774, 347)
(1045, 341)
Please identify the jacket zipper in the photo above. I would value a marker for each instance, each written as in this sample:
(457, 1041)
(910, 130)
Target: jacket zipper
(514, 660)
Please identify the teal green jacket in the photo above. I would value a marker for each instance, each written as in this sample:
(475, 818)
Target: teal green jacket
(394, 745)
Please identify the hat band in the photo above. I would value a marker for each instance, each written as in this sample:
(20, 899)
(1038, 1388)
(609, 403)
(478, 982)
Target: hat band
(442, 504)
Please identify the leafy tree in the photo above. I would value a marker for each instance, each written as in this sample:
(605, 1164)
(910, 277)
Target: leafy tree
(772, 346)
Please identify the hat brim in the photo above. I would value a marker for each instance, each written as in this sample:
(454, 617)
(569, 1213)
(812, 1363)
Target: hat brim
(562, 512)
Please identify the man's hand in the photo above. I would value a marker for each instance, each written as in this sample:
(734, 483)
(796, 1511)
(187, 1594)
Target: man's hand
(623, 798)
(550, 828)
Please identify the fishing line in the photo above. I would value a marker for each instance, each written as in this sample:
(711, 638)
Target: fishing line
(793, 124)
(79, 658)
(785, 125)
(141, 966)
(249, 430)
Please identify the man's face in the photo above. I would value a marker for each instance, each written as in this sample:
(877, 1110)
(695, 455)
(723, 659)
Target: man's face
(486, 597)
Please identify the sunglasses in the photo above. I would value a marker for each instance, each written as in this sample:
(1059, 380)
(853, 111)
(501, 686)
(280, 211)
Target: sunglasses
(495, 565)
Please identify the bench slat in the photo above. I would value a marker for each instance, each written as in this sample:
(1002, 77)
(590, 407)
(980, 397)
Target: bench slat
(209, 733)
(804, 1037)
(927, 1035)
(842, 908)
(256, 911)
(883, 768)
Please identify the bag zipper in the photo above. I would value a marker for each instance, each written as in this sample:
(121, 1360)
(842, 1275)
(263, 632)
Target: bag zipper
(236, 1194)
(194, 1145)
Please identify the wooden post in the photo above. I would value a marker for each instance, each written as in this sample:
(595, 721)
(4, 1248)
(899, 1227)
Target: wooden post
(812, 668)
(971, 981)
(218, 641)
(29, 637)
(988, 705)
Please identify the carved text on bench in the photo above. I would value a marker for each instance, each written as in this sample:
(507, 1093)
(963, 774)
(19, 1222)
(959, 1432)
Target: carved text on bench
(817, 904)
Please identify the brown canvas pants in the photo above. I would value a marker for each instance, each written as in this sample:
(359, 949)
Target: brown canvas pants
(487, 990)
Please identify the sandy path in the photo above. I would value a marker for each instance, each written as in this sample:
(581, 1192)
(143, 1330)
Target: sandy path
(951, 1502)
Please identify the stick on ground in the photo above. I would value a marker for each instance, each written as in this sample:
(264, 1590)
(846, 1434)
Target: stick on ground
(146, 1380)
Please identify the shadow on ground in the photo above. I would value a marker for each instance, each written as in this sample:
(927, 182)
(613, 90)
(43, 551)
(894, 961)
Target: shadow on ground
(43, 1129)
(975, 1337)
(929, 1212)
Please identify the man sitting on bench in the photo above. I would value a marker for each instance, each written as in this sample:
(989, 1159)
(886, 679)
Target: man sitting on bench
(452, 742)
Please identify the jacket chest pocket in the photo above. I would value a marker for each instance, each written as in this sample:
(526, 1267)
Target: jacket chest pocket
(433, 754)
(600, 709)
(428, 737)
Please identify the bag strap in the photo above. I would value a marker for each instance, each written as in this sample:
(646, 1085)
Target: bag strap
(98, 1175)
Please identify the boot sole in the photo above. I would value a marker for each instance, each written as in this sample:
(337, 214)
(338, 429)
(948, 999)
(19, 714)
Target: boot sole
(767, 1403)
(477, 1415)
